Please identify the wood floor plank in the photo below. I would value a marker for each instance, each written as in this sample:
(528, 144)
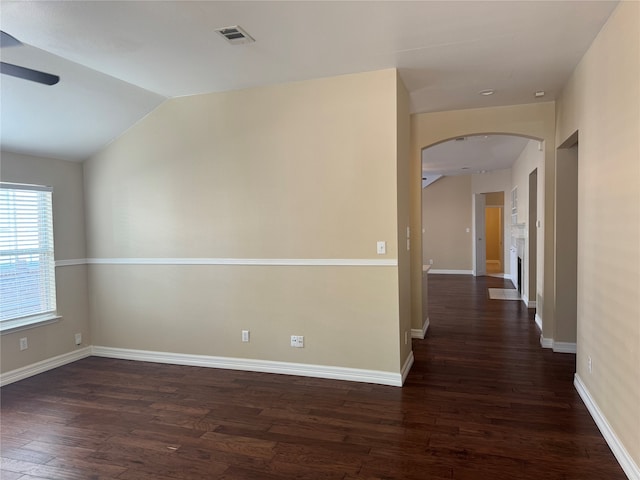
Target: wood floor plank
(482, 401)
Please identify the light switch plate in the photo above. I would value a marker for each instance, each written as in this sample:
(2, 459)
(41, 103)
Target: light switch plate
(382, 248)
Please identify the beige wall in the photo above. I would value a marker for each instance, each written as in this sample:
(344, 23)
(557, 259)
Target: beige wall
(305, 170)
(566, 264)
(531, 158)
(601, 101)
(536, 120)
(404, 246)
(494, 199)
(71, 281)
(446, 211)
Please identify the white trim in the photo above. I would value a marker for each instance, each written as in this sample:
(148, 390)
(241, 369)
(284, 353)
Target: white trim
(557, 347)
(451, 272)
(408, 363)
(564, 347)
(253, 365)
(309, 262)
(19, 324)
(26, 186)
(420, 332)
(546, 342)
(538, 320)
(71, 262)
(499, 275)
(630, 468)
(43, 366)
(527, 302)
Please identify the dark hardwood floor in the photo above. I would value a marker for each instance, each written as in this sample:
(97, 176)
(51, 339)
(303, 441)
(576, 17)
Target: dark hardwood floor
(482, 401)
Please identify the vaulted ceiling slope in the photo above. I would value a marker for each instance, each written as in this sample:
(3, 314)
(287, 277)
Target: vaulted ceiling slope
(120, 60)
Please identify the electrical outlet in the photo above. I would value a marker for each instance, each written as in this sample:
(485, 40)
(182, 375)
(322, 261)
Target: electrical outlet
(24, 344)
(78, 338)
(431, 261)
(245, 335)
(297, 341)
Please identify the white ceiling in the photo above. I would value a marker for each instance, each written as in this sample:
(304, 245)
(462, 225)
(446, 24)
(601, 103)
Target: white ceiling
(119, 60)
(472, 154)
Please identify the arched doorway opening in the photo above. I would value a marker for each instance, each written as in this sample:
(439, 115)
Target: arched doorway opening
(482, 208)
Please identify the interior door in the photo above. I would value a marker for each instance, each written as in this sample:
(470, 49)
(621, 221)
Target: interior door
(480, 267)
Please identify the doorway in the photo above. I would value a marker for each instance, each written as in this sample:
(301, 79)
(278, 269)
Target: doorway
(530, 297)
(566, 237)
(493, 234)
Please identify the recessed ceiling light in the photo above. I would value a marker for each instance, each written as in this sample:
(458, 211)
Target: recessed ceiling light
(487, 92)
(539, 93)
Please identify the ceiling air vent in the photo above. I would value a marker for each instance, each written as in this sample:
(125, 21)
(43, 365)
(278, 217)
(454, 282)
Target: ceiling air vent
(235, 35)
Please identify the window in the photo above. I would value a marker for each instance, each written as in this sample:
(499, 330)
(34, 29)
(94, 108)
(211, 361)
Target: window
(27, 264)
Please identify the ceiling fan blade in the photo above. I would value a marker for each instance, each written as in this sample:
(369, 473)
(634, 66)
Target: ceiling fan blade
(28, 74)
(7, 40)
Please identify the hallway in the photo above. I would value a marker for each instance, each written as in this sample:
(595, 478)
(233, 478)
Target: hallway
(503, 405)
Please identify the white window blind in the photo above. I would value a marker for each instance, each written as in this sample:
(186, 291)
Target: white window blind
(27, 263)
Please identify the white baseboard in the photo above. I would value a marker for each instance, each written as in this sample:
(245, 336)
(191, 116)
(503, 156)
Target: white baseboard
(546, 342)
(564, 347)
(630, 468)
(528, 303)
(558, 347)
(252, 365)
(450, 272)
(499, 275)
(407, 366)
(538, 319)
(420, 332)
(43, 366)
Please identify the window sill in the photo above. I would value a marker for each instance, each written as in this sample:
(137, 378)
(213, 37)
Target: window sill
(11, 326)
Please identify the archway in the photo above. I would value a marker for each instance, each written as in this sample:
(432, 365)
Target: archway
(476, 172)
(534, 121)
